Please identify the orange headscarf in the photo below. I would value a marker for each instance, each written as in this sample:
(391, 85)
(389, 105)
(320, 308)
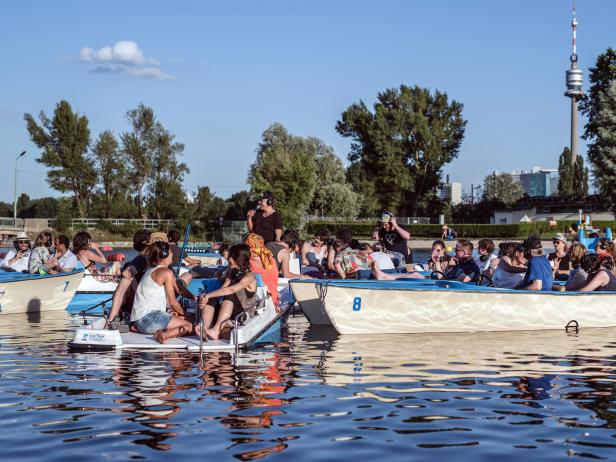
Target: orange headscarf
(258, 249)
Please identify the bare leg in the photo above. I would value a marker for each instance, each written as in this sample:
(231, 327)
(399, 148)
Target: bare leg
(381, 276)
(176, 328)
(186, 277)
(225, 312)
(207, 314)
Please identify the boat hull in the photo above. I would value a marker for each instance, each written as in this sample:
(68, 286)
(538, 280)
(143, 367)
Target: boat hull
(93, 335)
(33, 293)
(387, 309)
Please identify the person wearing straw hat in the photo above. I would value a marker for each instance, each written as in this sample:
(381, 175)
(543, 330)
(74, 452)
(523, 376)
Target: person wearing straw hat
(17, 259)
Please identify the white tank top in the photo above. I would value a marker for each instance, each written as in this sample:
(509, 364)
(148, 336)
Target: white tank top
(149, 296)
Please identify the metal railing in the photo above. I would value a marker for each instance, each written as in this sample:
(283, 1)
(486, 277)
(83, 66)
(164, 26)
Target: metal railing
(148, 223)
(401, 220)
(6, 222)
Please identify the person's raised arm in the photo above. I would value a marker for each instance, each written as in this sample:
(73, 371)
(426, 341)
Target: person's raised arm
(404, 234)
(600, 279)
(249, 222)
(94, 254)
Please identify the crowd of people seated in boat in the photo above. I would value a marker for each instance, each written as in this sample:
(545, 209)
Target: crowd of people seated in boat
(51, 254)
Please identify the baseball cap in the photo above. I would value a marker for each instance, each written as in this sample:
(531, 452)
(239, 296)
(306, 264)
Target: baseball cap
(386, 217)
(560, 237)
(158, 237)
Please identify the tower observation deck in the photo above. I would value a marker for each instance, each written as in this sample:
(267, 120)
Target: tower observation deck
(574, 80)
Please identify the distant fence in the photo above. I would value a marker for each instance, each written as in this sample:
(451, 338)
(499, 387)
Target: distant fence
(148, 223)
(6, 222)
(400, 220)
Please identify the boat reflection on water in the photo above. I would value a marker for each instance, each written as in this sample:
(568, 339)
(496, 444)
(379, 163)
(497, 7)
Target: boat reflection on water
(399, 358)
(159, 386)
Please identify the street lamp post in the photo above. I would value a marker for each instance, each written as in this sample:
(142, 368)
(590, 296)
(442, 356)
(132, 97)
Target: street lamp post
(473, 189)
(23, 153)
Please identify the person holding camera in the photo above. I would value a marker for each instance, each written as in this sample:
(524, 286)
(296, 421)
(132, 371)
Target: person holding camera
(265, 221)
(393, 237)
(17, 259)
(462, 267)
(539, 275)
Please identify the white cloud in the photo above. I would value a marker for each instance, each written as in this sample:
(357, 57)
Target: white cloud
(125, 57)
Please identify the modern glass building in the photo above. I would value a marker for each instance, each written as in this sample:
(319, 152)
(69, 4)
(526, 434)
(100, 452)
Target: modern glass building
(537, 181)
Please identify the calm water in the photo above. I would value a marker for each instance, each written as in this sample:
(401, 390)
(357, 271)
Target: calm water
(311, 396)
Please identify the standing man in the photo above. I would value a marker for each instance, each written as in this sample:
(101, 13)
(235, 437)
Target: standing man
(265, 221)
(393, 237)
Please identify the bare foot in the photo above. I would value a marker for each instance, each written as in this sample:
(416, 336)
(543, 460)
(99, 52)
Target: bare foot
(161, 336)
(213, 335)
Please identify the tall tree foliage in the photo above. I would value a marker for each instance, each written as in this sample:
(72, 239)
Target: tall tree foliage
(112, 173)
(64, 140)
(599, 106)
(602, 150)
(501, 188)
(138, 147)
(333, 195)
(238, 205)
(572, 178)
(403, 143)
(364, 189)
(286, 166)
(565, 174)
(165, 193)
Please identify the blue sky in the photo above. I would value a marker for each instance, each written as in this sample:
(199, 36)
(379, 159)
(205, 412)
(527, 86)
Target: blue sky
(217, 74)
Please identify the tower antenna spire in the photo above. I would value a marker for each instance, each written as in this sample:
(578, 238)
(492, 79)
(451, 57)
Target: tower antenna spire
(574, 91)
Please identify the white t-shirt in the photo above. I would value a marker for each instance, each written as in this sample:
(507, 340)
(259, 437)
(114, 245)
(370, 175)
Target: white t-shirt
(68, 260)
(383, 259)
(19, 265)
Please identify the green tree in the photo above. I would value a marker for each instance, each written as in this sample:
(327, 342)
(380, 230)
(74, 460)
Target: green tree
(23, 203)
(112, 174)
(572, 177)
(165, 193)
(602, 149)
(333, 195)
(237, 206)
(364, 188)
(6, 209)
(404, 142)
(138, 149)
(502, 188)
(286, 166)
(565, 174)
(64, 140)
(600, 78)
(580, 178)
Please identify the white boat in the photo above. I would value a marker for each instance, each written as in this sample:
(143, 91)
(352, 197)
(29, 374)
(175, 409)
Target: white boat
(29, 293)
(309, 296)
(249, 328)
(451, 306)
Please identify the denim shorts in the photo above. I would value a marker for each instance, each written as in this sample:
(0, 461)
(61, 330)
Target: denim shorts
(153, 322)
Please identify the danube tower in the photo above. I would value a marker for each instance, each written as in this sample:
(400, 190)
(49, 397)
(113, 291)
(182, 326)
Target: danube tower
(574, 91)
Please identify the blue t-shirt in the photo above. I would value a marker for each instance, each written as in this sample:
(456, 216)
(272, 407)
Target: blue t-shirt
(539, 269)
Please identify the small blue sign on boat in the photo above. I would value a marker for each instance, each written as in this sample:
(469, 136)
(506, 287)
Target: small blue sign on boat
(357, 304)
